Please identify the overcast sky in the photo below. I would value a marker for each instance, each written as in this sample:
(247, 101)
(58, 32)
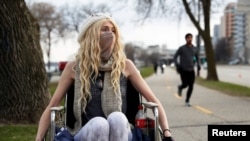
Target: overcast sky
(154, 32)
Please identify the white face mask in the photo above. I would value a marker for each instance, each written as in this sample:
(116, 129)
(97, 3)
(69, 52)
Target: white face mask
(107, 45)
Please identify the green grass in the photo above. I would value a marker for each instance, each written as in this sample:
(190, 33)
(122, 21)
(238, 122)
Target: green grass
(17, 132)
(52, 87)
(225, 87)
(147, 71)
(21, 132)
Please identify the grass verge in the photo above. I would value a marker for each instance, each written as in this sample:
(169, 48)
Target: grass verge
(146, 71)
(18, 132)
(225, 87)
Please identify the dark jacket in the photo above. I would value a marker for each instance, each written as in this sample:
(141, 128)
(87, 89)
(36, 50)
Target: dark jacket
(186, 56)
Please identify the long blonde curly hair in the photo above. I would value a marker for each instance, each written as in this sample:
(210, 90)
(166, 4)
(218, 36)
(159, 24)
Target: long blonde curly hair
(88, 59)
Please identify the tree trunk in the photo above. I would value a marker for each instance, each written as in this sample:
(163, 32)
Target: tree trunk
(211, 69)
(211, 66)
(205, 34)
(23, 81)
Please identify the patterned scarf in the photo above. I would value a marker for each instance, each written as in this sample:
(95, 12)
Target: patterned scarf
(111, 101)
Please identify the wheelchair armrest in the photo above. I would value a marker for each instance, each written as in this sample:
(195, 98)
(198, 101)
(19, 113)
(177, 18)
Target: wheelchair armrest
(150, 104)
(154, 107)
(58, 108)
(53, 118)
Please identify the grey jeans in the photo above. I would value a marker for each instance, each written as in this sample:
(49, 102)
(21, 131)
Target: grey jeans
(115, 128)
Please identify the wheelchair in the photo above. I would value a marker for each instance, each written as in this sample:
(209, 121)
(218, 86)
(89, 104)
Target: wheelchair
(62, 116)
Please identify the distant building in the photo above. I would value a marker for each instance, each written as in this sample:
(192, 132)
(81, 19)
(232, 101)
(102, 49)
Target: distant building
(153, 49)
(229, 13)
(243, 8)
(238, 36)
(235, 27)
(217, 35)
(222, 27)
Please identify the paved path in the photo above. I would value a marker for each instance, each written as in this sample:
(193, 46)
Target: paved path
(208, 107)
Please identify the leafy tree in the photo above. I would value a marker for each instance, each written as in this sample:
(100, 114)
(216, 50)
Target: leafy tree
(23, 80)
(160, 8)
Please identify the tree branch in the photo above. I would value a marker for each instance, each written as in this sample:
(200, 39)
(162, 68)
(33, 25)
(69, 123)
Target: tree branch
(191, 16)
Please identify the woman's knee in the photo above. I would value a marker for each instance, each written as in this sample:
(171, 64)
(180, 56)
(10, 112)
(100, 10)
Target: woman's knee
(95, 129)
(119, 127)
(98, 123)
(118, 120)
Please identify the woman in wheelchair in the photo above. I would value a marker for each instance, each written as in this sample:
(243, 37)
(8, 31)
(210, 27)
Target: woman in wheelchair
(100, 73)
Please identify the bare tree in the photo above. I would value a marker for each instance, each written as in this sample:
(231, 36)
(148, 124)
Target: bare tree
(129, 51)
(51, 24)
(162, 8)
(23, 81)
(54, 24)
(74, 15)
